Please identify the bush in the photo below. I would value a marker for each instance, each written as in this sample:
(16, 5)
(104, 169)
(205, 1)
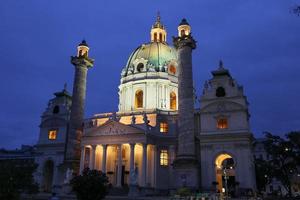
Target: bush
(16, 177)
(183, 192)
(91, 185)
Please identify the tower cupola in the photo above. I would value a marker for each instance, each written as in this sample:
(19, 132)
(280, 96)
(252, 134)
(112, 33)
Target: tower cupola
(83, 49)
(184, 28)
(158, 31)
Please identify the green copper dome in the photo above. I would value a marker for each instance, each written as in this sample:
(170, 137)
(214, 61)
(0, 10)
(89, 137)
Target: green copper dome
(151, 57)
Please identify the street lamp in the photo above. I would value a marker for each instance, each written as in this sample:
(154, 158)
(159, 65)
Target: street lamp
(226, 184)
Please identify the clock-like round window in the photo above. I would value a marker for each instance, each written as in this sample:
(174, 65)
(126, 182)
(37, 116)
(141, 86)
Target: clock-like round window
(172, 69)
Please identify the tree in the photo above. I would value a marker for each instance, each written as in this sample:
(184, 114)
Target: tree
(283, 163)
(263, 174)
(296, 10)
(91, 185)
(16, 177)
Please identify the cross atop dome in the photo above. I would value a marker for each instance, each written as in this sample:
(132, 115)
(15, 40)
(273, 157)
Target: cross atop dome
(158, 31)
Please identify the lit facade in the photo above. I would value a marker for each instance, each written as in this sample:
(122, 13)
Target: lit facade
(141, 139)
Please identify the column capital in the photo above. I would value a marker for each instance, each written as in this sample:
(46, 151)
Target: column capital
(93, 146)
(187, 40)
(132, 145)
(104, 145)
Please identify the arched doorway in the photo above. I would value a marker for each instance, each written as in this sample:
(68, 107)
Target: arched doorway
(225, 174)
(48, 175)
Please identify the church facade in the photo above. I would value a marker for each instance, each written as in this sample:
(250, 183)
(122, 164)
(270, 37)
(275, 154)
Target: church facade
(156, 140)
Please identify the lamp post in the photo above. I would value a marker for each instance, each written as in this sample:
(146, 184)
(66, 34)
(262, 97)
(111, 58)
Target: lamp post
(225, 179)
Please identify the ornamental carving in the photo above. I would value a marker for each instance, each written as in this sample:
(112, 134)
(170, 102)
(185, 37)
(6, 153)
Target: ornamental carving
(187, 40)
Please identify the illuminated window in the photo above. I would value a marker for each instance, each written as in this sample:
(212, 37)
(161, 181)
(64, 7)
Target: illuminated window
(172, 69)
(139, 99)
(163, 127)
(222, 123)
(172, 101)
(52, 134)
(182, 33)
(164, 158)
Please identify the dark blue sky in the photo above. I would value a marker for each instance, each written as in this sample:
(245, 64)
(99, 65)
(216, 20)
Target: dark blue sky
(259, 42)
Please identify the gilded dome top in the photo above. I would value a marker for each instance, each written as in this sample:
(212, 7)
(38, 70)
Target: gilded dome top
(151, 57)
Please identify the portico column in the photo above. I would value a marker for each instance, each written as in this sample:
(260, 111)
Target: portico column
(144, 165)
(119, 178)
(104, 158)
(92, 157)
(131, 163)
(82, 158)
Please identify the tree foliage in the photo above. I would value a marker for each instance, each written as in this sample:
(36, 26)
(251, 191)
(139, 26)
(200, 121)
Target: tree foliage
(296, 10)
(90, 185)
(16, 177)
(283, 162)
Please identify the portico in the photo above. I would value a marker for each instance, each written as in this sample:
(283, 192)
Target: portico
(119, 161)
(119, 151)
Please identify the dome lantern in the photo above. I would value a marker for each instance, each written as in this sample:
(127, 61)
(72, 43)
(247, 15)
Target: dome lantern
(82, 49)
(184, 28)
(158, 31)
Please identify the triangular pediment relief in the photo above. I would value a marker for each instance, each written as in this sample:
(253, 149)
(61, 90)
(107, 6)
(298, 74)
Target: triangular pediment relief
(112, 127)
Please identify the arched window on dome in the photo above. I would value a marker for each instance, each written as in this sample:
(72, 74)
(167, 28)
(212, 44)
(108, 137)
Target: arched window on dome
(139, 99)
(173, 102)
(140, 67)
(160, 37)
(155, 37)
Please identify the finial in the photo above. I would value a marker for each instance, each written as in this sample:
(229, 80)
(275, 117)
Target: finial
(183, 22)
(158, 16)
(221, 64)
(83, 43)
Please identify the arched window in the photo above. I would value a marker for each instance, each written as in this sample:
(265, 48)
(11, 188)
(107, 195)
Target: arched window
(139, 99)
(182, 33)
(173, 102)
(220, 92)
(155, 37)
(140, 67)
(160, 37)
(56, 110)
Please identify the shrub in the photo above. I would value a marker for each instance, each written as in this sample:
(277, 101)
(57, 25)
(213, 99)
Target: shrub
(90, 185)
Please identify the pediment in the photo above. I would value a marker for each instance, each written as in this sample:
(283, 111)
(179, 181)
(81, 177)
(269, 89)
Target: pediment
(223, 106)
(112, 127)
